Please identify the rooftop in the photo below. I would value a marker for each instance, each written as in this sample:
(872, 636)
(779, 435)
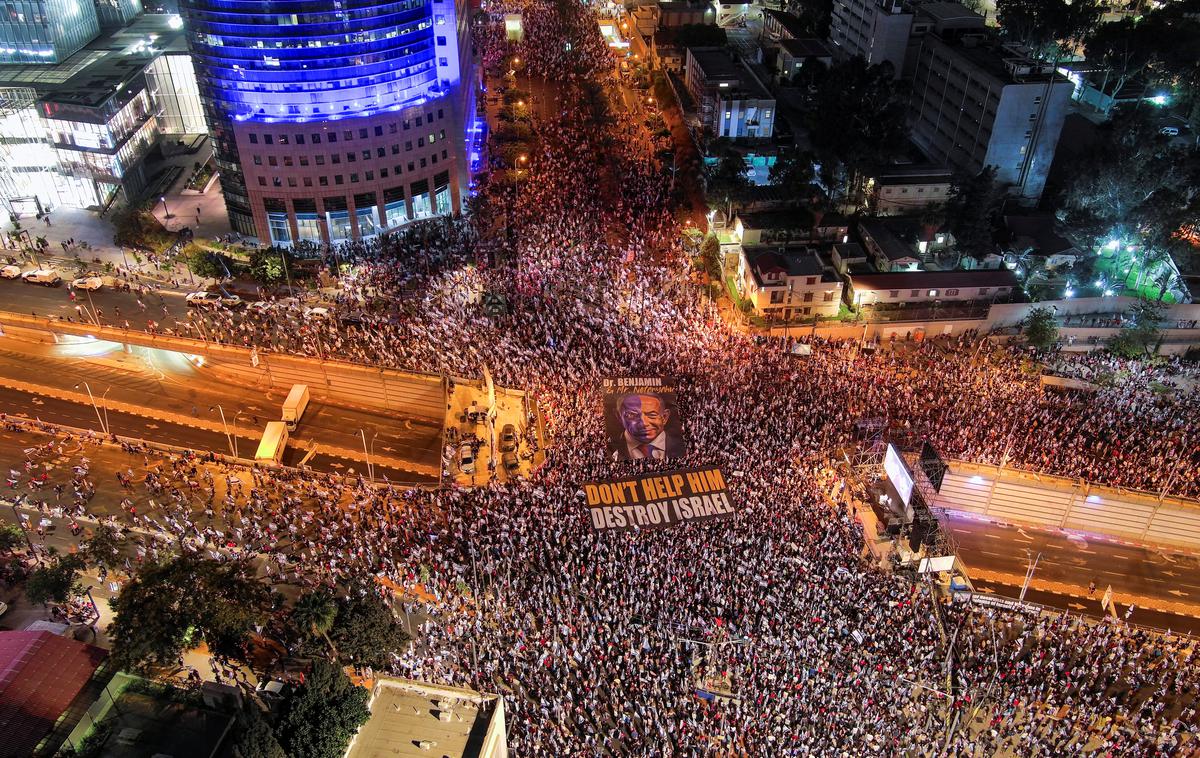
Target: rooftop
(1038, 231)
(103, 67)
(791, 218)
(1004, 62)
(40, 674)
(917, 279)
(406, 716)
(955, 13)
(786, 20)
(913, 174)
(717, 63)
(807, 48)
(888, 238)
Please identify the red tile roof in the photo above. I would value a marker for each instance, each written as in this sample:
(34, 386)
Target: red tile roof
(40, 674)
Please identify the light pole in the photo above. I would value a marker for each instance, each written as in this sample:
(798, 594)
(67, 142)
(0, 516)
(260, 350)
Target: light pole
(166, 210)
(104, 400)
(95, 407)
(1029, 576)
(370, 468)
(228, 436)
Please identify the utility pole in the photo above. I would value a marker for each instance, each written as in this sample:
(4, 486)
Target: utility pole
(370, 468)
(228, 436)
(1029, 576)
(96, 408)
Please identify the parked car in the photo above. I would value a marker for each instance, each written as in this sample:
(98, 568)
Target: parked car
(91, 283)
(508, 439)
(466, 458)
(10, 272)
(511, 465)
(47, 277)
(212, 300)
(1170, 131)
(318, 313)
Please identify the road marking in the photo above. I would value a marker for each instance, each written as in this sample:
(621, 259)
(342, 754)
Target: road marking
(1177, 593)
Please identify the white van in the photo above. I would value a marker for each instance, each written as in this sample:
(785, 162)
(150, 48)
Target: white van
(47, 277)
(293, 407)
(274, 441)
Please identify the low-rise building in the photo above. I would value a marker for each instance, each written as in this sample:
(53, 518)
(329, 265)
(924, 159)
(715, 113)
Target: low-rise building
(1036, 234)
(784, 284)
(413, 718)
(731, 100)
(779, 227)
(795, 54)
(781, 25)
(901, 190)
(929, 287)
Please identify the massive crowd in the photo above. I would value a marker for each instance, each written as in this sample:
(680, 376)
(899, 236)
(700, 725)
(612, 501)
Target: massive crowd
(767, 634)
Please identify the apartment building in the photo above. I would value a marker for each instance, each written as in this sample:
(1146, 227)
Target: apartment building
(730, 98)
(875, 30)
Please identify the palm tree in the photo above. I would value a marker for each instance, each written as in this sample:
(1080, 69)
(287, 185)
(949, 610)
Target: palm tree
(315, 613)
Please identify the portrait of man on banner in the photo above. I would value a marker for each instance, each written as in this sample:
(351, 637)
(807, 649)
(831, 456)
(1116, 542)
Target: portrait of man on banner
(642, 419)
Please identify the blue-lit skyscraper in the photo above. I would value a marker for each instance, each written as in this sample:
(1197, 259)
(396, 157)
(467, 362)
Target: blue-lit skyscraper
(334, 119)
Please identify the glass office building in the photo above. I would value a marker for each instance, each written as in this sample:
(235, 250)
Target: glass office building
(45, 31)
(295, 91)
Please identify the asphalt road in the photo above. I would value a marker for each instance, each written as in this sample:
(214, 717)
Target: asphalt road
(83, 416)
(1134, 570)
(1091, 607)
(19, 297)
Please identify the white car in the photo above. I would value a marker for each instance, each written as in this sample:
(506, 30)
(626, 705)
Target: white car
(319, 312)
(1170, 131)
(212, 300)
(91, 283)
(45, 276)
(10, 272)
(466, 458)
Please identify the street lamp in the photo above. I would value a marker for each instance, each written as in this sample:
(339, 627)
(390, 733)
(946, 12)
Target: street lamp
(166, 211)
(103, 426)
(229, 437)
(370, 467)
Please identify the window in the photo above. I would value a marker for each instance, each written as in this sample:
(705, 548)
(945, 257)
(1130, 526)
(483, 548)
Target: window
(320, 160)
(440, 20)
(412, 166)
(276, 181)
(366, 155)
(424, 163)
(915, 293)
(828, 297)
(420, 142)
(811, 281)
(287, 160)
(383, 173)
(323, 181)
(391, 128)
(807, 311)
(777, 297)
(258, 160)
(347, 135)
(299, 139)
(303, 160)
(951, 293)
(351, 157)
(283, 139)
(354, 178)
(253, 139)
(291, 181)
(443, 62)
(808, 297)
(362, 133)
(418, 120)
(894, 294)
(933, 293)
(443, 155)
(406, 124)
(380, 152)
(272, 160)
(333, 137)
(316, 139)
(369, 176)
(268, 139)
(398, 171)
(441, 135)
(308, 181)
(337, 179)
(262, 181)
(984, 290)
(441, 41)
(433, 159)
(379, 131)
(335, 159)
(440, 113)
(408, 146)
(395, 149)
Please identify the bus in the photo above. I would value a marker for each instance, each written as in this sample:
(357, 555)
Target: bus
(274, 440)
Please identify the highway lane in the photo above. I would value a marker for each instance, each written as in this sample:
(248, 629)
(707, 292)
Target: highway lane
(83, 416)
(111, 307)
(1170, 576)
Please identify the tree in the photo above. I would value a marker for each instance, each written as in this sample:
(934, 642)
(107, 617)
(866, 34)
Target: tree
(1046, 27)
(710, 254)
(207, 264)
(257, 740)
(55, 582)
(267, 265)
(315, 613)
(793, 171)
(322, 717)
(814, 16)
(1041, 330)
(103, 548)
(11, 537)
(1158, 46)
(1141, 333)
(365, 631)
(727, 179)
(971, 212)
(172, 605)
(869, 125)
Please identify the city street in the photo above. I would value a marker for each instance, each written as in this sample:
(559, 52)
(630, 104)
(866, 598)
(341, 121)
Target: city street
(164, 308)
(999, 555)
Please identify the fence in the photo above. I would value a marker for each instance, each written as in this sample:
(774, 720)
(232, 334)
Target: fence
(1027, 498)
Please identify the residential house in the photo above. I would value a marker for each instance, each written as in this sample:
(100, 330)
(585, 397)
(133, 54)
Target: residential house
(787, 284)
(730, 98)
(795, 54)
(779, 227)
(903, 190)
(1037, 234)
(929, 287)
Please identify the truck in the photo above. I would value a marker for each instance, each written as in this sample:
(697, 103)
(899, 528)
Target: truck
(274, 440)
(293, 407)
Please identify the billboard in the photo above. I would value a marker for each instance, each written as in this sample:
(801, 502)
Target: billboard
(641, 419)
(897, 474)
(659, 500)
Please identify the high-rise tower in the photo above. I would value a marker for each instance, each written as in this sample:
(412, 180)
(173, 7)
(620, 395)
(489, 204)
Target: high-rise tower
(334, 119)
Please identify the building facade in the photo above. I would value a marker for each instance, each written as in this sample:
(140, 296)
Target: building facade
(977, 103)
(731, 100)
(874, 30)
(788, 284)
(334, 120)
(906, 190)
(929, 287)
(45, 31)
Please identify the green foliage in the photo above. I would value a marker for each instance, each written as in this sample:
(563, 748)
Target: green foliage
(1046, 27)
(56, 581)
(1140, 335)
(171, 605)
(971, 212)
(1041, 330)
(137, 228)
(868, 127)
(324, 714)
(710, 253)
(727, 179)
(814, 16)
(365, 631)
(11, 537)
(267, 265)
(793, 171)
(256, 739)
(207, 264)
(1158, 46)
(314, 613)
(103, 548)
